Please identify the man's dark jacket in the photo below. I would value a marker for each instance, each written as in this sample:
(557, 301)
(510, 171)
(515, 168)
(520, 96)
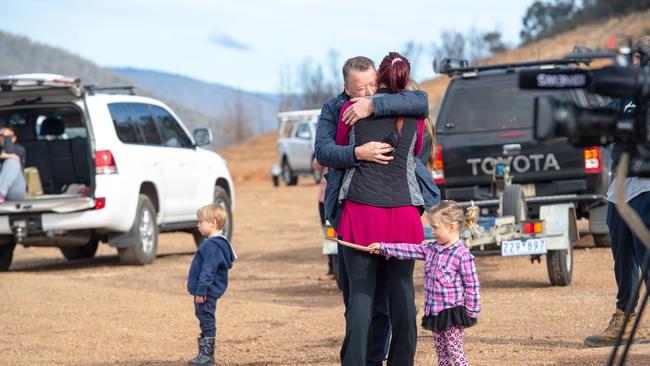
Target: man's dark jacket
(338, 158)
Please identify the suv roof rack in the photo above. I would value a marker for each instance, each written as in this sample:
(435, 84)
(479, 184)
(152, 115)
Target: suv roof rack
(443, 67)
(92, 89)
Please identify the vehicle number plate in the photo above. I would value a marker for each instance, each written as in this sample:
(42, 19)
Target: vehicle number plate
(523, 247)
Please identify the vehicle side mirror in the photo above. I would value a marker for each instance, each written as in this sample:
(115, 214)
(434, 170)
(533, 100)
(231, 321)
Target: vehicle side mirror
(202, 136)
(304, 135)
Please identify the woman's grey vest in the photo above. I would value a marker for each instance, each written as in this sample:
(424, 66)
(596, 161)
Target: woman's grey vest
(380, 185)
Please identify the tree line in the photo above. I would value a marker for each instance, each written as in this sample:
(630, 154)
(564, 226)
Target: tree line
(310, 84)
(544, 19)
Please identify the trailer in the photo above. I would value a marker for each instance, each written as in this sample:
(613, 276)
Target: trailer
(511, 234)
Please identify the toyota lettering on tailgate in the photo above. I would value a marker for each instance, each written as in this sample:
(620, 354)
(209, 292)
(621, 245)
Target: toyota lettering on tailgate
(520, 163)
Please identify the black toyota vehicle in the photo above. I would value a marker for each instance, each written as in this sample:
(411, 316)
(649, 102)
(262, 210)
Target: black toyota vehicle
(484, 116)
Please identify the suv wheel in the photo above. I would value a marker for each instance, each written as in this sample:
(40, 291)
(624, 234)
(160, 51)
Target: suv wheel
(6, 254)
(86, 251)
(559, 264)
(318, 175)
(146, 227)
(222, 199)
(287, 174)
(514, 203)
(602, 240)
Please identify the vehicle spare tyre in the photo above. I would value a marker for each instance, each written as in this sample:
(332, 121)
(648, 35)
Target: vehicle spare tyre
(514, 202)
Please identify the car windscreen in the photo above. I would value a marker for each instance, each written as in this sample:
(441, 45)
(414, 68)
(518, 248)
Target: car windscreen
(488, 104)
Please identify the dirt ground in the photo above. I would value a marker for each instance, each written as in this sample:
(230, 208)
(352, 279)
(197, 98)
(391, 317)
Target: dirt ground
(276, 311)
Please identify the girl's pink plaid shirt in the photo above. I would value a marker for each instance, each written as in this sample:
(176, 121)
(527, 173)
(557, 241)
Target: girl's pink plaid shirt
(450, 278)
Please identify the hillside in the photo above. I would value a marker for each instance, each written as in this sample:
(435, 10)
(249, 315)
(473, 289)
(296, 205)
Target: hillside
(207, 98)
(593, 35)
(21, 55)
(251, 160)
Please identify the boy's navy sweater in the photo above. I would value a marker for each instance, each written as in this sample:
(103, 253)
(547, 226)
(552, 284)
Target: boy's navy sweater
(209, 270)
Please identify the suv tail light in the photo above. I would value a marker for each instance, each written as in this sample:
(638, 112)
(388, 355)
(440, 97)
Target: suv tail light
(104, 162)
(593, 161)
(100, 203)
(438, 167)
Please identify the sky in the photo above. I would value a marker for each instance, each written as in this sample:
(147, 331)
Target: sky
(247, 44)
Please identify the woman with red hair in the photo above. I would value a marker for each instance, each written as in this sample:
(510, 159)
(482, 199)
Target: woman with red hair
(382, 203)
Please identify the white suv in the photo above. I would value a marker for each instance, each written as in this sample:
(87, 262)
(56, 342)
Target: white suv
(295, 146)
(116, 168)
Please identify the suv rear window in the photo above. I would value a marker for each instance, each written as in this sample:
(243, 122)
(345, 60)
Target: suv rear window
(489, 104)
(28, 122)
(126, 129)
(134, 123)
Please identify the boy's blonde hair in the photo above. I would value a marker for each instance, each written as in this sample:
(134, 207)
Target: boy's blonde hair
(451, 212)
(213, 212)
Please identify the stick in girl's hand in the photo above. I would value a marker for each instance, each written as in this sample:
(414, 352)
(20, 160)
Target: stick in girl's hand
(350, 245)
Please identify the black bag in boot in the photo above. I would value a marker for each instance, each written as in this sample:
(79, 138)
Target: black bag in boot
(206, 352)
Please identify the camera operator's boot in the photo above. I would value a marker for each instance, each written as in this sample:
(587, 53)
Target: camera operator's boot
(205, 357)
(610, 334)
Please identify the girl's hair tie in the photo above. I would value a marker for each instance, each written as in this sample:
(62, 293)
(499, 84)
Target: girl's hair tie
(396, 60)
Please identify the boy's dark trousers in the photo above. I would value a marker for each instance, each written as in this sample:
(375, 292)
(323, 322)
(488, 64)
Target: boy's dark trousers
(380, 327)
(206, 314)
(629, 252)
(362, 269)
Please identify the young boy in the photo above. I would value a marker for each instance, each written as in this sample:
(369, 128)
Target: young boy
(208, 277)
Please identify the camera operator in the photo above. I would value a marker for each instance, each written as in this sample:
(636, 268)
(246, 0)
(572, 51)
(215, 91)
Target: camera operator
(628, 250)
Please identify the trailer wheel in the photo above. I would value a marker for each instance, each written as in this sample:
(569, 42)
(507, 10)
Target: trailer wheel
(602, 240)
(560, 265)
(6, 254)
(514, 202)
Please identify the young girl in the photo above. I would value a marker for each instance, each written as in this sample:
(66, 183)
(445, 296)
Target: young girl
(451, 287)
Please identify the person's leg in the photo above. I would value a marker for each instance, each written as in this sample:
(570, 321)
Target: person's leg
(12, 181)
(361, 268)
(330, 264)
(401, 298)
(455, 346)
(206, 314)
(440, 343)
(641, 205)
(624, 261)
(380, 329)
(209, 322)
(626, 274)
(343, 276)
(321, 211)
